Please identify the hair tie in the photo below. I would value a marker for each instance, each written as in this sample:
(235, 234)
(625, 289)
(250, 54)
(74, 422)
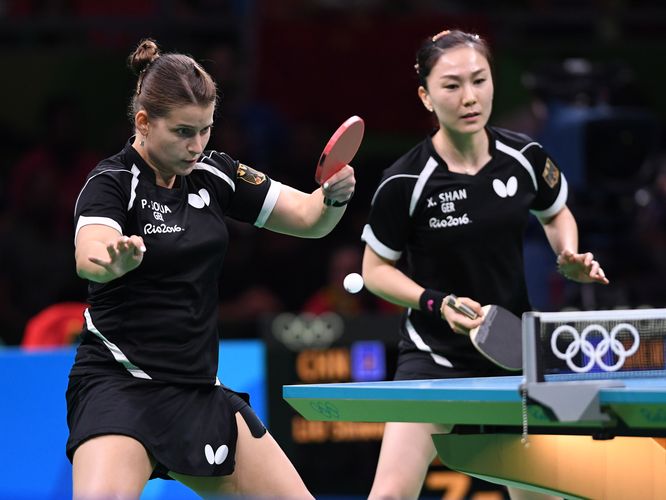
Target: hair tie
(440, 35)
(142, 73)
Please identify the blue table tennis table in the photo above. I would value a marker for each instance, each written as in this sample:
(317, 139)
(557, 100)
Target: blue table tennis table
(592, 396)
(619, 455)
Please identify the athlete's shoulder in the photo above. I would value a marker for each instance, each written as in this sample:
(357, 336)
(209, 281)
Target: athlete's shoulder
(400, 178)
(217, 160)
(223, 168)
(217, 166)
(115, 166)
(411, 163)
(111, 177)
(511, 138)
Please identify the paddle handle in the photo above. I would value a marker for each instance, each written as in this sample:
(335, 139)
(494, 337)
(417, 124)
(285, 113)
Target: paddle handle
(454, 302)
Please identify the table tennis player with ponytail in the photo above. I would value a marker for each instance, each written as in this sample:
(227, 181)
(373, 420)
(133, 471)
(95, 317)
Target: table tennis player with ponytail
(143, 399)
(448, 217)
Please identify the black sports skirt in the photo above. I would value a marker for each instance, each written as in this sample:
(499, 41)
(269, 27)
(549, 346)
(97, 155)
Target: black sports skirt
(418, 365)
(188, 429)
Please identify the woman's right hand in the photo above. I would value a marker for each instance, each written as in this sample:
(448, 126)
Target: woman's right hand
(459, 322)
(125, 254)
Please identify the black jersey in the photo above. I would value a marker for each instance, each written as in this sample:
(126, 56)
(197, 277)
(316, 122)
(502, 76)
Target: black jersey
(463, 234)
(160, 320)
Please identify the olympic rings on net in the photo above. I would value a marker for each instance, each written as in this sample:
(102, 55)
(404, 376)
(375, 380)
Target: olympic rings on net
(594, 353)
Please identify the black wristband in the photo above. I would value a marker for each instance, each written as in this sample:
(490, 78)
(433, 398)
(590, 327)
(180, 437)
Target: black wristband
(431, 301)
(333, 203)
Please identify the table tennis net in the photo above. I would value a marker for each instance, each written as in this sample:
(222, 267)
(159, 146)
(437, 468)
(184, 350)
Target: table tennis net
(599, 344)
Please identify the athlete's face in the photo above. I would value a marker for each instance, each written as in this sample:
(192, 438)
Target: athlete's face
(173, 143)
(460, 90)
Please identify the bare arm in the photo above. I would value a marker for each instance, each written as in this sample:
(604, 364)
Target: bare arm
(305, 215)
(383, 279)
(103, 254)
(562, 233)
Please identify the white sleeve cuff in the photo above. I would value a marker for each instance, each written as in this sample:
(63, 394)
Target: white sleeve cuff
(269, 203)
(557, 205)
(104, 221)
(377, 246)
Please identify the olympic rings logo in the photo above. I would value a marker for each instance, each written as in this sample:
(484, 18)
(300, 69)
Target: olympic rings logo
(302, 331)
(325, 409)
(595, 354)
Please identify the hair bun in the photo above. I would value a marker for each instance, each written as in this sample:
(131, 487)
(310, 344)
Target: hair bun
(145, 53)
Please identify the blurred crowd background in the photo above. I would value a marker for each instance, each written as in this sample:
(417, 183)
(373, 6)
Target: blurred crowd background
(584, 78)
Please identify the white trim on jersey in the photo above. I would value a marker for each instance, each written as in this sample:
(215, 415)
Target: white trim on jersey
(216, 172)
(92, 177)
(104, 221)
(425, 174)
(518, 155)
(559, 202)
(422, 346)
(390, 179)
(135, 182)
(528, 146)
(115, 350)
(269, 203)
(368, 236)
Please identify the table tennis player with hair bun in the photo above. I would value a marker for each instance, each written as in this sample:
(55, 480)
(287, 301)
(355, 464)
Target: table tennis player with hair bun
(454, 208)
(143, 399)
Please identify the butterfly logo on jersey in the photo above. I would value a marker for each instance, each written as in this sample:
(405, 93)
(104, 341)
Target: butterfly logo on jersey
(199, 200)
(506, 190)
(218, 456)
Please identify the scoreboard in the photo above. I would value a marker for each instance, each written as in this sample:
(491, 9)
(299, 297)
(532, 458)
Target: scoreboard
(339, 458)
(332, 457)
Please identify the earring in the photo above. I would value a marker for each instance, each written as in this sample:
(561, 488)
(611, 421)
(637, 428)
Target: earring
(142, 143)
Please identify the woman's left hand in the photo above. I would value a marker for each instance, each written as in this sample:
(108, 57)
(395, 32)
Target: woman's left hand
(340, 186)
(580, 267)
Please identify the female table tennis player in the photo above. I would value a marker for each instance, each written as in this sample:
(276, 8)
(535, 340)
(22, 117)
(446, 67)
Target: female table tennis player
(143, 398)
(455, 207)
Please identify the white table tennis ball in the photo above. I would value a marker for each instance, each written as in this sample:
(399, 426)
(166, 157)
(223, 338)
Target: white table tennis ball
(353, 283)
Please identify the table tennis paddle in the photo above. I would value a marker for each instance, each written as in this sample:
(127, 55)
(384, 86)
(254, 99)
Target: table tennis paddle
(340, 148)
(499, 337)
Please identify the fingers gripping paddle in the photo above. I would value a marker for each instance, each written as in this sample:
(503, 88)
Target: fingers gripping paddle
(340, 149)
(499, 337)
